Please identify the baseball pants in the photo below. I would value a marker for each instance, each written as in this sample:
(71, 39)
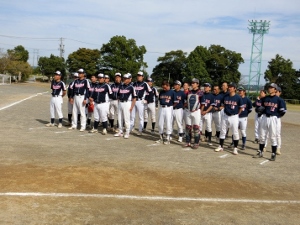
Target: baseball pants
(113, 109)
(139, 109)
(231, 122)
(178, 118)
(243, 125)
(56, 106)
(268, 127)
(207, 120)
(150, 110)
(124, 116)
(101, 112)
(216, 118)
(79, 108)
(165, 117)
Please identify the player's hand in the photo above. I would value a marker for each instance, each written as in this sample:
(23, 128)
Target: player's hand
(84, 102)
(71, 101)
(203, 113)
(130, 109)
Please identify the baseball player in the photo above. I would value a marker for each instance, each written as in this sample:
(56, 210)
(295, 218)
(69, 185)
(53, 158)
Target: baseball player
(90, 104)
(193, 103)
(127, 99)
(243, 116)
(233, 106)
(273, 107)
(58, 92)
(70, 106)
(79, 96)
(141, 89)
(150, 100)
(166, 100)
(216, 110)
(178, 108)
(258, 116)
(113, 107)
(100, 97)
(107, 78)
(186, 89)
(207, 104)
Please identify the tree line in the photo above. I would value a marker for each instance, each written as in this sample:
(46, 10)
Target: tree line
(214, 64)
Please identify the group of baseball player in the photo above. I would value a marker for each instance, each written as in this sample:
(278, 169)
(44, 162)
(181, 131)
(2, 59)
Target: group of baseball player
(185, 105)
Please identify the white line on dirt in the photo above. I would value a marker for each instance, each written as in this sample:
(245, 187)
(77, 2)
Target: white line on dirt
(37, 128)
(61, 132)
(150, 198)
(223, 156)
(156, 144)
(264, 162)
(15, 103)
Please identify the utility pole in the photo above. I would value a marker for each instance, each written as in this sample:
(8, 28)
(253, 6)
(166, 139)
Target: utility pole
(35, 51)
(61, 48)
(258, 29)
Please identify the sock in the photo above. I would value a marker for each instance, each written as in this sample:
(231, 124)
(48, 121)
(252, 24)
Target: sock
(153, 125)
(218, 133)
(78, 117)
(244, 140)
(206, 133)
(96, 124)
(60, 120)
(235, 143)
(145, 125)
(261, 147)
(111, 122)
(161, 136)
(70, 118)
(52, 120)
(221, 142)
(104, 125)
(274, 149)
(209, 136)
(88, 121)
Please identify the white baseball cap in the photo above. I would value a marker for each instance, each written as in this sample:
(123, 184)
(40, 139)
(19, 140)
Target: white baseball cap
(140, 73)
(127, 75)
(80, 71)
(57, 73)
(101, 75)
(118, 74)
(75, 75)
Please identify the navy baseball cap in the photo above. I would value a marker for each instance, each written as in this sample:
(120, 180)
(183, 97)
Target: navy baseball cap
(279, 89)
(241, 88)
(177, 82)
(232, 84)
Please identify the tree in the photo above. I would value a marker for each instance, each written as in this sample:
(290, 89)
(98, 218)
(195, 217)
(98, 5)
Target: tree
(281, 72)
(87, 59)
(223, 65)
(122, 55)
(19, 53)
(48, 65)
(170, 65)
(196, 65)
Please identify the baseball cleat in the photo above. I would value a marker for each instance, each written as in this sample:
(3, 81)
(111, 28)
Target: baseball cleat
(259, 155)
(273, 157)
(187, 145)
(159, 141)
(139, 133)
(104, 132)
(72, 128)
(118, 135)
(126, 136)
(81, 130)
(179, 139)
(235, 151)
(59, 125)
(93, 131)
(50, 125)
(195, 146)
(243, 147)
(166, 142)
(209, 143)
(219, 149)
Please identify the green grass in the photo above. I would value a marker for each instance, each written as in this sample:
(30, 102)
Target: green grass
(292, 107)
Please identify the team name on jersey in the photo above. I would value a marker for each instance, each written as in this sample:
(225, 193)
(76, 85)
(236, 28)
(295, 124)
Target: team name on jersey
(79, 85)
(115, 89)
(124, 91)
(56, 87)
(139, 88)
(178, 97)
(217, 101)
(230, 102)
(165, 97)
(271, 104)
(99, 89)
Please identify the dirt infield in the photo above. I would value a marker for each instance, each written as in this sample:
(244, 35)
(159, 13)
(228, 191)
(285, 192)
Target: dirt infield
(36, 159)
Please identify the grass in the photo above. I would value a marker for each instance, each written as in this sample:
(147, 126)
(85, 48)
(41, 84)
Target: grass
(293, 107)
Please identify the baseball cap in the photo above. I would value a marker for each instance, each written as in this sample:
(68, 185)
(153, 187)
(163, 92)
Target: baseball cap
(177, 82)
(106, 76)
(149, 79)
(195, 80)
(101, 75)
(140, 73)
(232, 84)
(80, 71)
(279, 89)
(273, 85)
(241, 88)
(127, 75)
(207, 85)
(75, 75)
(118, 74)
(57, 73)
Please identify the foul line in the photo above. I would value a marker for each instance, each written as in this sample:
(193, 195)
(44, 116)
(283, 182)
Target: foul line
(5, 107)
(149, 198)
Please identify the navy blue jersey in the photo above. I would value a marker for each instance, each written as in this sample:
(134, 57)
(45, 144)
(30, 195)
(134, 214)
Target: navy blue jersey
(152, 95)
(92, 88)
(284, 108)
(193, 99)
(101, 93)
(217, 100)
(115, 89)
(58, 88)
(247, 107)
(273, 105)
(257, 103)
(126, 92)
(207, 100)
(166, 97)
(232, 104)
(69, 90)
(179, 99)
(80, 87)
(141, 88)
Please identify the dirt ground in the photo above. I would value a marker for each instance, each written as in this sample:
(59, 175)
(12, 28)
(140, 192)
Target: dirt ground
(35, 159)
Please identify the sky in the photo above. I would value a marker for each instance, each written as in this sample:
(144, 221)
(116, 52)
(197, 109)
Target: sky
(161, 26)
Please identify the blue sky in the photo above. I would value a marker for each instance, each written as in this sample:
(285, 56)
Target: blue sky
(161, 26)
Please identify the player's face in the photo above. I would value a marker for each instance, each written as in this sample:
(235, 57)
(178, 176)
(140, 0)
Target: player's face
(195, 86)
(207, 89)
(118, 79)
(216, 90)
(93, 79)
(106, 80)
(139, 78)
(241, 93)
(262, 94)
(231, 89)
(150, 84)
(101, 80)
(271, 90)
(176, 87)
(224, 87)
(81, 75)
(56, 77)
(186, 86)
(166, 87)
(278, 93)
(126, 80)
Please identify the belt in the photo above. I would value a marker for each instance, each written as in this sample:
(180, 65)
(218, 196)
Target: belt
(55, 95)
(100, 102)
(139, 99)
(269, 115)
(228, 114)
(78, 94)
(163, 106)
(177, 108)
(124, 100)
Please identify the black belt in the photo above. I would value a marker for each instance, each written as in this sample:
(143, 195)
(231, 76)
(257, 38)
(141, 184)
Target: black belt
(124, 100)
(139, 99)
(55, 95)
(269, 115)
(163, 106)
(177, 108)
(100, 102)
(78, 94)
(228, 114)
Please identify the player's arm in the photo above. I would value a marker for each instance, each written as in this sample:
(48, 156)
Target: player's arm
(134, 97)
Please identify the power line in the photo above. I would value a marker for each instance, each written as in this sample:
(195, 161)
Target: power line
(16, 37)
